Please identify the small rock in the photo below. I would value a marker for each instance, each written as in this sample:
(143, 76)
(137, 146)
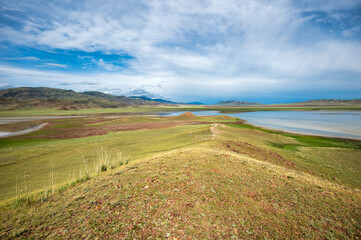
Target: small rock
(79, 198)
(189, 205)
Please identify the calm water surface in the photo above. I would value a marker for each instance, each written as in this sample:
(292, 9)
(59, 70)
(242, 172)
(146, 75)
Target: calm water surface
(345, 124)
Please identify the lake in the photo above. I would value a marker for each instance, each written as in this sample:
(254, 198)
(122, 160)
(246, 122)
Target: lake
(345, 124)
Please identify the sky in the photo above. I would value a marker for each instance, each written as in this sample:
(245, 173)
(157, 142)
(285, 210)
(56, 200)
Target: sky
(267, 51)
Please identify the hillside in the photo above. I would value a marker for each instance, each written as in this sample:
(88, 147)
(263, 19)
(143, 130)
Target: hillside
(236, 103)
(65, 99)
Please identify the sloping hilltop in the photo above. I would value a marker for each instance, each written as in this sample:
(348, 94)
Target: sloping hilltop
(177, 178)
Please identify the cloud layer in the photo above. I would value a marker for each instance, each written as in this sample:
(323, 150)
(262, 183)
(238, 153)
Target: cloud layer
(195, 49)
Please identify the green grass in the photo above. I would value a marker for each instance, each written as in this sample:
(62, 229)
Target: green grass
(333, 159)
(36, 158)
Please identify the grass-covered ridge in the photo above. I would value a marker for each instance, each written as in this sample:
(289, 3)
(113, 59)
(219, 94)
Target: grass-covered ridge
(197, 193)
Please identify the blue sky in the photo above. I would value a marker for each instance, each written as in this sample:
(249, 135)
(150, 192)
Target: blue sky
(267, 51)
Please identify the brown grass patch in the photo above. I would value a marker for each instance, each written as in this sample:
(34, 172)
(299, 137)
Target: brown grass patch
(256, 152)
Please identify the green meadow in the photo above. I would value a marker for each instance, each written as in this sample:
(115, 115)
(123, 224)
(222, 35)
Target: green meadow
(176, 177)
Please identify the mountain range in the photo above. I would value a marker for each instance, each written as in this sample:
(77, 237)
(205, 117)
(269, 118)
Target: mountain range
(68, 99)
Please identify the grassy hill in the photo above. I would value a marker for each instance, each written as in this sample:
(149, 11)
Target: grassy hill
(23, 97)
(177, 178)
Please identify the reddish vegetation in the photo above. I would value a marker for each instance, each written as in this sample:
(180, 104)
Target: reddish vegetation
(86, 131)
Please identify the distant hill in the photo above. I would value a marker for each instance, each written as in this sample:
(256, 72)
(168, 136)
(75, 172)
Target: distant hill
(236, 103)
(66, 99)
(165, 101)
(155, 100)
(329, 102)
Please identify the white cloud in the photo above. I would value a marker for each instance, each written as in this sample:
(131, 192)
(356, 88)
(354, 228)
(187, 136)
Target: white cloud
(52, 65)
(141, 92)
(24, 58)
(5, 85)
(105, 65)
(330, 5)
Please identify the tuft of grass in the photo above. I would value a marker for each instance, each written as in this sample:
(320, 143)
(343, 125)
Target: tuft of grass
(103, 168)
(42, 196)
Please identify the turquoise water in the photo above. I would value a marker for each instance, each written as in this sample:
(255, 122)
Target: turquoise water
(346, 124)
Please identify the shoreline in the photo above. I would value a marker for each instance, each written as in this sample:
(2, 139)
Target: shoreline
(22, 132)
(300, 133)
